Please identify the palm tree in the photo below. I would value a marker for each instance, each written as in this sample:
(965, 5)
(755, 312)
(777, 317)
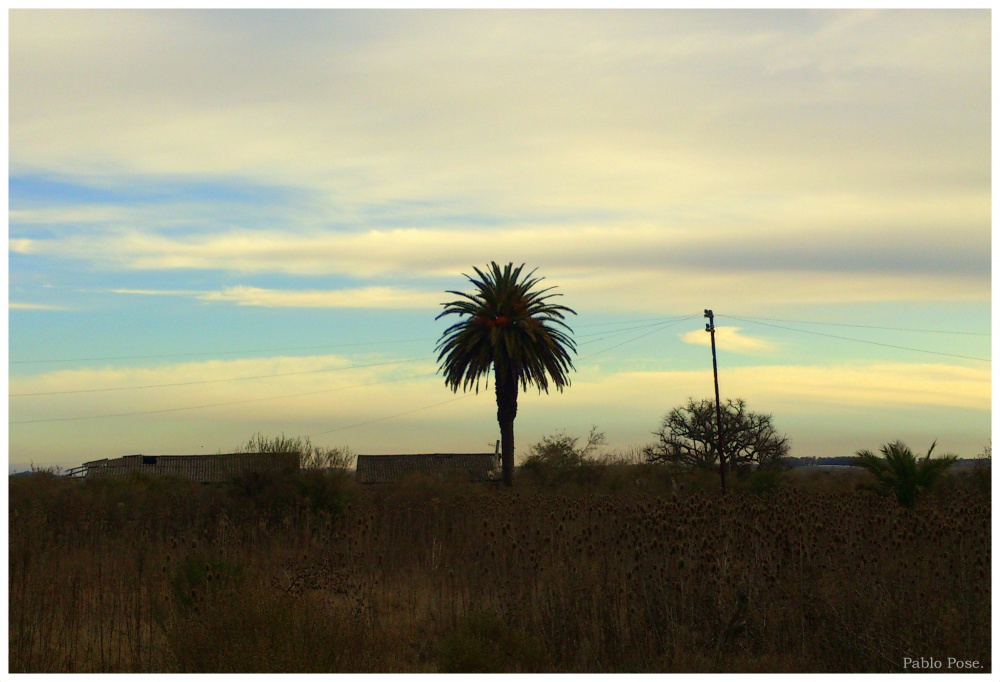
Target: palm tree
(509, 326)
(901, 472)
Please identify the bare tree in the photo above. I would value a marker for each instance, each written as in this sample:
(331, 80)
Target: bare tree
(687, 437)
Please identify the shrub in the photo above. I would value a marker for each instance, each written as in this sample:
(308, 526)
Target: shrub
(561, 450)
(323, 493)
(765, 481)
(276, 495)
(310, 456)
(197, 573)
(557, 459)
(982, 469)
(898, 471)
(417, 487)
(270, 633)
(483, 643)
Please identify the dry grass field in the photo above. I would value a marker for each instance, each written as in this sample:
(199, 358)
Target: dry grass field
(618, 570)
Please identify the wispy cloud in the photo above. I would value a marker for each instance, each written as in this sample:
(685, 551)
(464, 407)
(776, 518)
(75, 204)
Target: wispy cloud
(15, 305)
(73, 215)
(363, 297)
(799, 161)
(600, 259)
(585, 109)
(375, 297)
(190, 384)
(793, 389)
(48, 191)
(156, 292)
(315, 394)
(733, 339)
(882, 385)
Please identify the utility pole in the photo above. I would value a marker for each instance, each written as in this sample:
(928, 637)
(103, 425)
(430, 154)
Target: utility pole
(710, 328)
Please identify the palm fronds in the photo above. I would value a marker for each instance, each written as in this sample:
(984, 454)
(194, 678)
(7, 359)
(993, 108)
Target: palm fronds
(510, 327)
(898, 470)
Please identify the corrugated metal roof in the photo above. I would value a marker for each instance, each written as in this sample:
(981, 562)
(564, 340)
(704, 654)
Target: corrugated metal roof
(202, 468)
(386, 468)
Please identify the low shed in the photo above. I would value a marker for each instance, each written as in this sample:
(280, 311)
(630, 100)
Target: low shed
(202, 468)
(387, 468)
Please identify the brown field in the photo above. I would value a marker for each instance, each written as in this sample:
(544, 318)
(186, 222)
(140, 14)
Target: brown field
(614, 570)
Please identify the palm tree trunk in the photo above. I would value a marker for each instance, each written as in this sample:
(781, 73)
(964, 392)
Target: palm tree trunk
(506, 388)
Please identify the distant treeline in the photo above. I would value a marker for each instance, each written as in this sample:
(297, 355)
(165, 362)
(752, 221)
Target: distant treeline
(846, 461)
(816, 461)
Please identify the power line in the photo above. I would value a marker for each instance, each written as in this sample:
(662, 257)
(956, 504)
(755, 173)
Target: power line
(467, 395)
(617, 332)
(664, 323)
(648, 319)
(213, 381)
(659, 326)
(201, 407)
(636, 338)
(391, 416)
(224, 352)
(286, 374)
(281, 350)
(848, 338)
(315, 371)
(858, 326)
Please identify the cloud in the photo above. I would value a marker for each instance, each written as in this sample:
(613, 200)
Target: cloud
(46, 191)
(78, 214)
(803, 156)
(793, 388)
(884, 385)
(155, 292)
(95, 391)
(609, 262)
(382, 297)
(664, 110)
(405, 407)
(362, 297)
(14, 305)
(732, 339)
(22, 246)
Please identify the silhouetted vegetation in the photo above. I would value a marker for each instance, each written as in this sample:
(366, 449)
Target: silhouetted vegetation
(688, 437)
(556, 459)
(508, 326)
(982, 473)
(898, 471)
(310, 456)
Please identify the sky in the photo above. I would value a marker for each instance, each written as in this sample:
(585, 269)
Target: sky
(224, 223)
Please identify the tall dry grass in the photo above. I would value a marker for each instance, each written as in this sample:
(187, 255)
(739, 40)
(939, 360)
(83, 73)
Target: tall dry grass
(628, 570)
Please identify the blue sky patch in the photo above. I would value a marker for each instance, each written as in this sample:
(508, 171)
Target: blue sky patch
(33, 190)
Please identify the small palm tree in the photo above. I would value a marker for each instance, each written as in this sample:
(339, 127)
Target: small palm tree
(510, 327)
(900, 471)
